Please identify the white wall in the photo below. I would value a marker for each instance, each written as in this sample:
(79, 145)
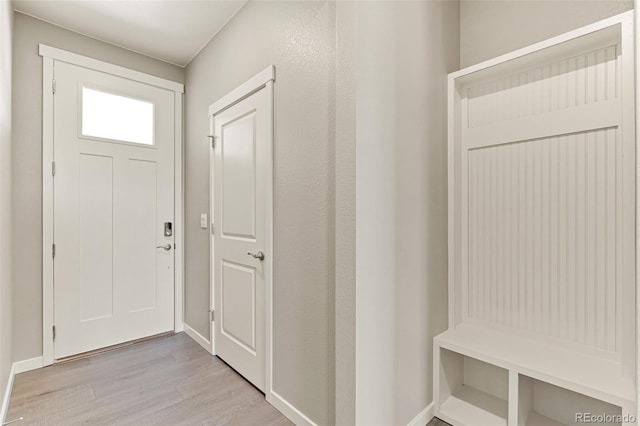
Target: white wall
(490, 28)
(299, 39)
(6, 25)
(405, 50)
(27, 158)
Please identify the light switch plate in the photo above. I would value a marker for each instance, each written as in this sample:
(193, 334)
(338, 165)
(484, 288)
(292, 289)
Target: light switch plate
(204, 223)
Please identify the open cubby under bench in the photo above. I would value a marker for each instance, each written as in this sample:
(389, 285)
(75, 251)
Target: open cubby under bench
(488, 377)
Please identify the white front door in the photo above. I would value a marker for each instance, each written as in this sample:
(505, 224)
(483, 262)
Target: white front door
(113, 195)
(241, 254)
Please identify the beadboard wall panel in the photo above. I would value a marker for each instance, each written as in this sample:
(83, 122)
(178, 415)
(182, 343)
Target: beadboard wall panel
(546, 176)
(543, 236)
(581, 80)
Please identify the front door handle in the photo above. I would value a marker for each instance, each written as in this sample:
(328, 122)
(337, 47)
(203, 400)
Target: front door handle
(259, 255)
(166, 247)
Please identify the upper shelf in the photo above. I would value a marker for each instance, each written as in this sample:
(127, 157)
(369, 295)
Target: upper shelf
(599, 33)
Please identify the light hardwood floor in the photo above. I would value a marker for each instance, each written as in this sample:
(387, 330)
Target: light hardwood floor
(166, 381)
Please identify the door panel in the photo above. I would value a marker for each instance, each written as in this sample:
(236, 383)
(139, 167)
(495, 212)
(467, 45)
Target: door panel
(141, 208)
(111, 199)
(240, 174)
(239, 292)
(239, 177)
(96, 237)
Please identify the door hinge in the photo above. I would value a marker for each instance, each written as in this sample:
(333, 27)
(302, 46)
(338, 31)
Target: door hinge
(212, 229)
(54, 332)
(53, 168)
(53, 250)
(213, 141)
(212, 315)
(53, 86)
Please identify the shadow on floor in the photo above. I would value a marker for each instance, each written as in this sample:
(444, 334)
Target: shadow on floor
(437, 422)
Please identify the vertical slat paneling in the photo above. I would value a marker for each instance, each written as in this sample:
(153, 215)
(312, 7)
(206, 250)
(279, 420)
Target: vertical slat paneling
(601, 76)
(618, 221)
(484, 202)
(590, 78)
(513, 234)
(554, 88)
(529, 96)
(590, 243)
(572, 260)
(520, 96)
(580, 247)
(537, 86)
(581, 80)
(537, 250)
(545, 270)
(522, 235)
(610, 238)
(493, 102)
(499, 259)
(600, 240)
(512, 99)
(561, 83)
(572, 82)
(542, 239)
(610, 72)
(474, 251)
(529, 242)
(562, 236)
(547, 87)
(507, 238)
(492, 304)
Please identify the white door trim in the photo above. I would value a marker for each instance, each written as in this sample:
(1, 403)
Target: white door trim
(247, 88)
(636, 26)
(49, 55)
(262, 80)
(94, 64)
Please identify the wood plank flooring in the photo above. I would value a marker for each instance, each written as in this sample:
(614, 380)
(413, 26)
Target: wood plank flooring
(166, 381)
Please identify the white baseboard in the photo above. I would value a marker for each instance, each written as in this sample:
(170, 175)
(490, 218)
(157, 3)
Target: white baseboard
(28, 365)
(423, 416)
(199, 338)
(17, 368)
(7, 395)
(288, 410)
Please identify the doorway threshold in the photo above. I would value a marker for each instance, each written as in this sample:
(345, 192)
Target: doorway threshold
(94, 352)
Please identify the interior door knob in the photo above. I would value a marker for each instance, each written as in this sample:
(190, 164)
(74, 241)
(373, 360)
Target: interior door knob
(165, 247)
(259, 255)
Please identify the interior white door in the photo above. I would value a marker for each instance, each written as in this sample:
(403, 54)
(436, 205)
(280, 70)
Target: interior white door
(240, 176)
(113, 194)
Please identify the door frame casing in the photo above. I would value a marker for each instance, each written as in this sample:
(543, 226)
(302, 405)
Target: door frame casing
(263, 80)
(49, 56)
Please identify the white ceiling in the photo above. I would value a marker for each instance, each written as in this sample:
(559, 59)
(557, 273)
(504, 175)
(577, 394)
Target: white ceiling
(171, 30)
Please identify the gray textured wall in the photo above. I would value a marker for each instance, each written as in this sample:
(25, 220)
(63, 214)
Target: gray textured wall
(490, 28)
(299, 39)
(405, 50)
(6, 284)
